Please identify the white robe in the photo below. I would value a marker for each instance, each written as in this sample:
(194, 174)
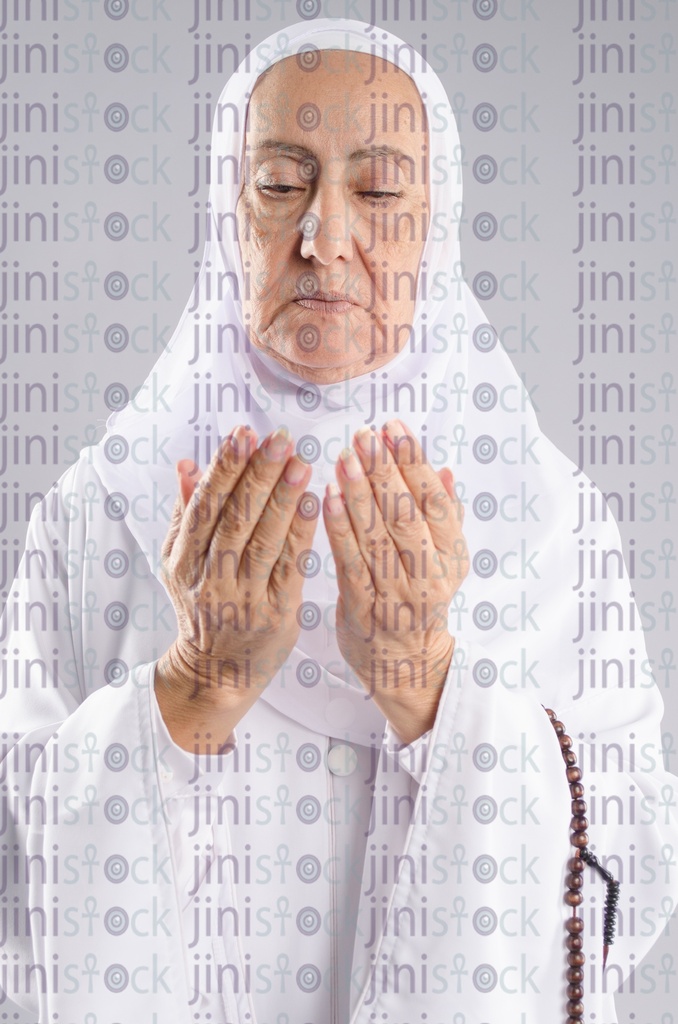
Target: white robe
(114, 842)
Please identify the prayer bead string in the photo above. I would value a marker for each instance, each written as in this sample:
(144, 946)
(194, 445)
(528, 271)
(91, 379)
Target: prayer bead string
(575, 880)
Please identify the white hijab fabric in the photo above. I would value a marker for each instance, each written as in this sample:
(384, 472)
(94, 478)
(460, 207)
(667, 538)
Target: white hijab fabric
(469, 409)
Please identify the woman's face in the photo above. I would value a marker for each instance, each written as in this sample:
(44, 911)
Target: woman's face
(333, 212)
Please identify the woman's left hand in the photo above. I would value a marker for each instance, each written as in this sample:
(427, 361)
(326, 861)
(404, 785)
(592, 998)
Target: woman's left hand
(395, 527)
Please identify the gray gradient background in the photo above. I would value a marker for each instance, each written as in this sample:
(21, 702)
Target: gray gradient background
(86, 369)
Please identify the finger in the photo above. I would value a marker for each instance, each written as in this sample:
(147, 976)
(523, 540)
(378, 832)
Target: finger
(460, 557)
(292, 567)
(188, 476)
(374, 541)
(397, 505)
(447, 480)
(270, 531)
(244, 507)
(440, 508)
(205, 504)
(172, 534)
(353, 574)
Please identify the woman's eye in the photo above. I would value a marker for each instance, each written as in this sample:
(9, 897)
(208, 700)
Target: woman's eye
(272, 189)
(380, 197)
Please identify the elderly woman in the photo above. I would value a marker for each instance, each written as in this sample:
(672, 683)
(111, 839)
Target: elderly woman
(319, 783)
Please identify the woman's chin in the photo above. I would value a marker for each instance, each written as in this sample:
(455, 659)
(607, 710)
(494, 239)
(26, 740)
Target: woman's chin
(319, 347)
(319, 367)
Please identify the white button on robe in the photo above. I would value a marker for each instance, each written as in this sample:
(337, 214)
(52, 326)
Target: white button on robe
(342, 759)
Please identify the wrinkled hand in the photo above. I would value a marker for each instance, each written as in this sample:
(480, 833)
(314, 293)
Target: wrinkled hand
(229, 562)
(395, 527)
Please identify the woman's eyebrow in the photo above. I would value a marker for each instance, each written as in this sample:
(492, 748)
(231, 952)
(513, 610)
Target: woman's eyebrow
(371, 152)
(367, 153)
(287, 148)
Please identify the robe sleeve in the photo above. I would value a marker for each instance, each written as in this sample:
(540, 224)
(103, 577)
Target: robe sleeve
(69, 726)
(180, 768)
(412, 757)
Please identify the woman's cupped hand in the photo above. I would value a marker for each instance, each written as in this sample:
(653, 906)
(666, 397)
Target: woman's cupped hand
(395, 527)
(231, 565)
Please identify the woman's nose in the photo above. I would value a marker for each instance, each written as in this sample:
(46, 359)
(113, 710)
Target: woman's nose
(325, 228)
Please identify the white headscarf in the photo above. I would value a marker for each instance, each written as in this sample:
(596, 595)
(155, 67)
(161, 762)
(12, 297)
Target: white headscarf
(453, 386)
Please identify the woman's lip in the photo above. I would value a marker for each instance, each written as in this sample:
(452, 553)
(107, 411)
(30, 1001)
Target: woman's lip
(326, 305)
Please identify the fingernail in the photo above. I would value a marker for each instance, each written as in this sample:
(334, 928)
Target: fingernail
(276, 445)
(237, 440)
(295, 471)
(395, 430)
(335, 504)
(399, 441)
(366, 439)
(351, 466)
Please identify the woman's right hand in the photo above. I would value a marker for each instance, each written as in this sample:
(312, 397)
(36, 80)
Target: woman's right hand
(230, 567)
